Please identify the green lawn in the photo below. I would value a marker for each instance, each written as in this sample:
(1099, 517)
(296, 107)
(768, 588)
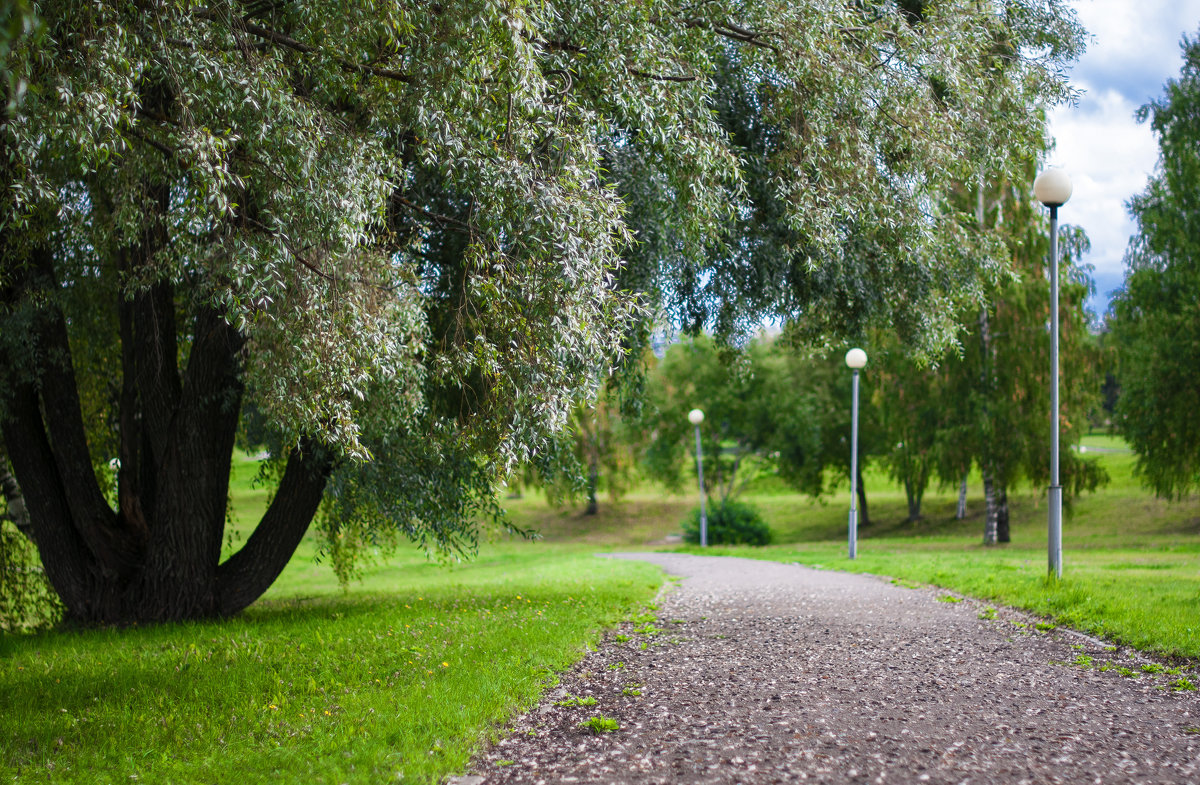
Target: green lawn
(403, 675)
(1132, 562)
(398, 679)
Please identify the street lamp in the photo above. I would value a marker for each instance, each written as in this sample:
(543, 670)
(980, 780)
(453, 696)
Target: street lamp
(1053, 188)
(856, 359)
(695, 417)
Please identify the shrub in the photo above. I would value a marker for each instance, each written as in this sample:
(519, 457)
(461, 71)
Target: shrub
(731, 523)
(27, 602)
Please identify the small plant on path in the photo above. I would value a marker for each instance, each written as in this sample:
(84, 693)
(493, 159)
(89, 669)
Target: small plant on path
(600, 724)
(573, 700)
(1183, 684)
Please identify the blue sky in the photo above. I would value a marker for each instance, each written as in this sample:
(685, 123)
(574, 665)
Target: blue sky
(1134, 49)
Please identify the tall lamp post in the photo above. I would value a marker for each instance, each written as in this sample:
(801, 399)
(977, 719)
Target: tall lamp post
(1053, 188)
(695, 417)
(856, 359)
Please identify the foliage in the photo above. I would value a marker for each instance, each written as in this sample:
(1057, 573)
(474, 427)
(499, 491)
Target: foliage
(409, 237)
(771, 407)
(693, 374)
(17, 20)
(909, 407)
(599, 452)
(729, 523)
(802, 412)
(1155, 318)
(27, 601)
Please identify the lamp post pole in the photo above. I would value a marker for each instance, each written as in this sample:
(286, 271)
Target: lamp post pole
(1053, 188)
(855, 360)
(695, 417)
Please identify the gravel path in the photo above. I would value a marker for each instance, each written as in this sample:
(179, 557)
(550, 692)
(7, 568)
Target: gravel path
(757, 672)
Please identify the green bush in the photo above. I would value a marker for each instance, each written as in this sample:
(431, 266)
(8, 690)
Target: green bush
(731, 523)
(27, 603)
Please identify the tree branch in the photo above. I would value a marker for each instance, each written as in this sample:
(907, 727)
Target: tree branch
(439, 217)
(660, 78)
(732, 32)
(244, 576)
(288, 42)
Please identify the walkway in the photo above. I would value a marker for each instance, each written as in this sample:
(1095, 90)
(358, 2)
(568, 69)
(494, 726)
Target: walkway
(766, 673)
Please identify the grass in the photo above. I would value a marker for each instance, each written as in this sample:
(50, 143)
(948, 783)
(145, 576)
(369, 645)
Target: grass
(397, 680)
(1132, 562)
(400, 678)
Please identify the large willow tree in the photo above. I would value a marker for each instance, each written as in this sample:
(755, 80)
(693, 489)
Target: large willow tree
(406, 236)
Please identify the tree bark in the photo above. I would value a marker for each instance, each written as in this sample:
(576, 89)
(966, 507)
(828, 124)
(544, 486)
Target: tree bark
(914, 500)
(863, 519)
(990, 516)
(961, 511)
(1002, 532)
(243, 577)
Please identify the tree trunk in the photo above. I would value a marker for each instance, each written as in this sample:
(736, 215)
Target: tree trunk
(157, 556)
(1002, 533)
(593, 480)
(961, 511)
(863, 519)
(990, 516)
(987, 460)
(914, 500)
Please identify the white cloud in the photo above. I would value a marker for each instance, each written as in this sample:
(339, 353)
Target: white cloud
(1109, 156)
(1107, 153)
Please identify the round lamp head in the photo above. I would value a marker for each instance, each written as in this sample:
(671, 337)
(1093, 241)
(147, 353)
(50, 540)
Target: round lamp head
(856, 358)
(1052, 187)
(695, 416)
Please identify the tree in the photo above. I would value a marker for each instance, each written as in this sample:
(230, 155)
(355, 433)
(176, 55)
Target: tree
(909, 410)
(769, 407)
(1155, 318)
(694, 374)
(403, 236)
(224, 208)
(598, 452)
(997, 393)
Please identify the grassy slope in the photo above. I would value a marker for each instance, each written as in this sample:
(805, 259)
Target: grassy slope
(403, 675)
(1132, 562)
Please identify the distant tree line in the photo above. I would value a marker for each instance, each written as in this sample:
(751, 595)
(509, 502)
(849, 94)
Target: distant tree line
(1154, 320)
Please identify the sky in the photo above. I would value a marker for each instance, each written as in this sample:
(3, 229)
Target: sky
(1133, 50)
